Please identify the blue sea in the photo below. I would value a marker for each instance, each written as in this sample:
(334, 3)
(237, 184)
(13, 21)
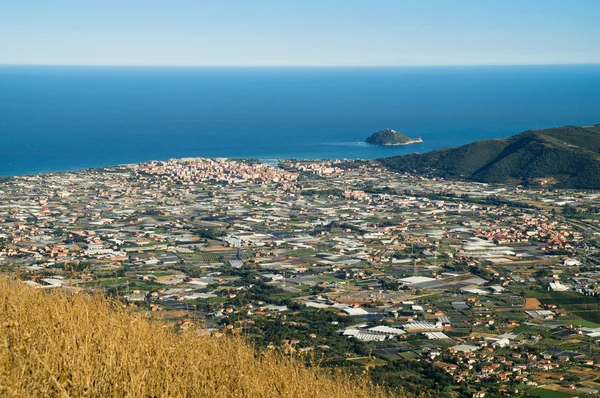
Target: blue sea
(55, 118)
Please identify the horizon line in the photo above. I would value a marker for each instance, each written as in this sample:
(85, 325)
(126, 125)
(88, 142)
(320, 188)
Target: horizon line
(296, 66)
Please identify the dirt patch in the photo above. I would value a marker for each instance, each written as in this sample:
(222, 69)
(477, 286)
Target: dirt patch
(573, 341)
(478, 335)
(532, 304)
(556, 387)
(583, 372)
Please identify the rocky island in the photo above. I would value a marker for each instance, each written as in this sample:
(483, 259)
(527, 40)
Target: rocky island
(390, 137)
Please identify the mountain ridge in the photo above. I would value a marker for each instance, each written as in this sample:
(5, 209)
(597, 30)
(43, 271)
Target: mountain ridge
(566, 157)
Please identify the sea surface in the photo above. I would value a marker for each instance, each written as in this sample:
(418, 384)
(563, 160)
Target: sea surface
(55, 118)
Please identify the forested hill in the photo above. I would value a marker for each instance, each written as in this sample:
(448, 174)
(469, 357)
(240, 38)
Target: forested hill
(566, 157)
(388, 137)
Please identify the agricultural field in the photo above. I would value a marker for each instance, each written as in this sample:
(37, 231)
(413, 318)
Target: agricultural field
(203, 257)
(544, 393)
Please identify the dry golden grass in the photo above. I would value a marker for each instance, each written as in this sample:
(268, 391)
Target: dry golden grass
(54, 344)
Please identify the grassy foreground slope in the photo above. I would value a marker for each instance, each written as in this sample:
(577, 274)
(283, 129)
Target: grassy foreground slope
(569, 157)
(52, 344)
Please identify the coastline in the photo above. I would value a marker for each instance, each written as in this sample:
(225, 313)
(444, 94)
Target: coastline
(103, 117)
(412, 141)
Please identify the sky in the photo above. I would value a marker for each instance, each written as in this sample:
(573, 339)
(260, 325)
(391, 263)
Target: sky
(299, 33)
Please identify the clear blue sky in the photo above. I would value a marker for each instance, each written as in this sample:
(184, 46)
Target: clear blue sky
(299, 33)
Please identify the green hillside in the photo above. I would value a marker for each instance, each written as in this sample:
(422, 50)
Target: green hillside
(389, 137)
(566, 157)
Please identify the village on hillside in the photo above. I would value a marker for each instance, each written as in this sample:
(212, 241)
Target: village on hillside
(477, 289)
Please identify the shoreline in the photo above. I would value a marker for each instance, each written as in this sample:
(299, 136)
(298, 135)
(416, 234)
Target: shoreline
(270, 161)
(415, 141)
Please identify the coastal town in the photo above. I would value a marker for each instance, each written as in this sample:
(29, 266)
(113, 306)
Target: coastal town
(480, 290)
